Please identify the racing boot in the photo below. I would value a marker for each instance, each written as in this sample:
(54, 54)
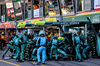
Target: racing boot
(3, 56)
(22, 60)
(12, 56)
(43, 63)
(56, 59)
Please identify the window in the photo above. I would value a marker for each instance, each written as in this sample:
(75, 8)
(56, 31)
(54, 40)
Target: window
(10, 10)
(79, 5)
(87, 5)
(0, 12)
(24, 8)
(3, 13)
(41, 3)
(29, 4)
(38, 8)
(51, 8)
(36, 4)
(83, 5)
(29, 9)
(17, 6)
(41, 8)
(67, 7)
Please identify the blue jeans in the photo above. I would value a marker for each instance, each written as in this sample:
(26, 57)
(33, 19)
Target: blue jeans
(43, 51)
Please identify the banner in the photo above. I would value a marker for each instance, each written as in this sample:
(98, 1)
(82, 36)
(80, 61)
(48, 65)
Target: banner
(7, 25)
(94, 17)
(34, 21)
(36, 13)
(51, 20)
(21, 24)
(96, 4)
(16, 0)
(10, 10)
(38, 21)
(9, 5)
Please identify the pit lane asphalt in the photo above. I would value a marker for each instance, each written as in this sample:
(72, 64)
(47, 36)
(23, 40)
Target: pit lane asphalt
(12, 62)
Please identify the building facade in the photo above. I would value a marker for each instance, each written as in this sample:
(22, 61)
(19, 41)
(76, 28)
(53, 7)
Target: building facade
(31, 11)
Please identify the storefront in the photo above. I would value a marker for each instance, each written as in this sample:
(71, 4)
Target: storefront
(93, 15)
(3, 11)
(7, 26)
(29, 22)
(6, 29)
(31, 11)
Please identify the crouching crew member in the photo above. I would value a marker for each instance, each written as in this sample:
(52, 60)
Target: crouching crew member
(54, 46)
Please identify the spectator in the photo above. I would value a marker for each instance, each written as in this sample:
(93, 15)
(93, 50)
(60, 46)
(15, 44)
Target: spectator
(57, 34)
(49, 36)
(7, 38)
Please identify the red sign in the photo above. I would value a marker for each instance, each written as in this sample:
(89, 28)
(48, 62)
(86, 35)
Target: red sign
(7, 25)
(96, 4)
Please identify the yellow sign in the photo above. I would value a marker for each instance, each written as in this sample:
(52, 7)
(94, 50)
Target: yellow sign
(52, 13)
(51, 20)
(21, 24)
(40, 23)
(34, 21)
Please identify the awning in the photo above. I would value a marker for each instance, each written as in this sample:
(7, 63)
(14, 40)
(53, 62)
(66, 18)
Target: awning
(7, 25)
(69, 23)
(34, 23)
(94, 17)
